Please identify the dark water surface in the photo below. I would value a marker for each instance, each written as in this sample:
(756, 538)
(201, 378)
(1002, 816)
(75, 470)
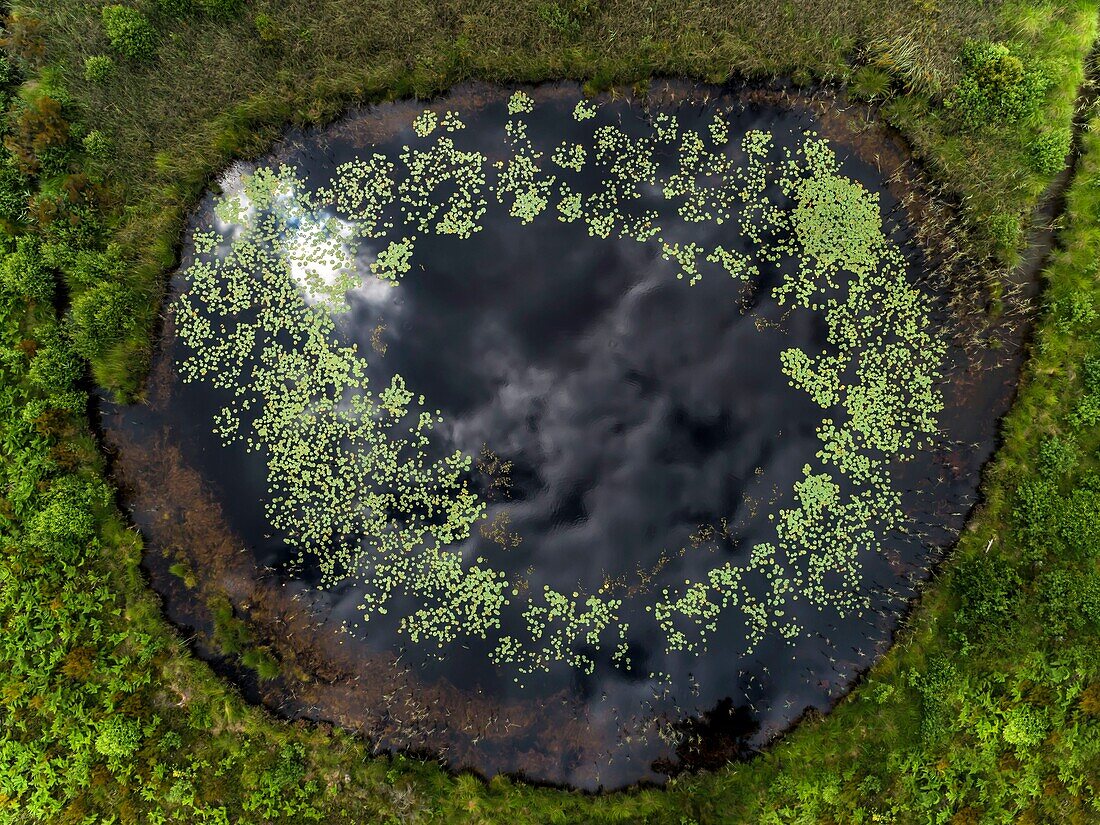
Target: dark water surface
(649, 429)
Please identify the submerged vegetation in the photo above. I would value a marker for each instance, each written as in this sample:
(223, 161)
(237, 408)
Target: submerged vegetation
(988, 710)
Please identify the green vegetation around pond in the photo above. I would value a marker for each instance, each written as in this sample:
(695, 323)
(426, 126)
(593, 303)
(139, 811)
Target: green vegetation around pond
(988, 710)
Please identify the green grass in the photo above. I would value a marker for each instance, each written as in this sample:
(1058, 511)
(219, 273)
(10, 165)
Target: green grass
(988, 708)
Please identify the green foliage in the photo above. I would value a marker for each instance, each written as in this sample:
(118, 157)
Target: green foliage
(68, 510)
(98, 145)
(1004, 232)
(870, 83)
(996, 87)
(987, 587)
(1026, 726)
(935, 685)
(267, 28)
(1048, 151)
(54, 366)
(129, 32)
(1075, 311)
(14, 189)
(98, 68)
(265, 665)
(1068, 601)
(83, 268)
(25, 273)
(9, 74)
(118, 737)
(562, 17)
(231, 635)
(102, 317)
(1057, 455)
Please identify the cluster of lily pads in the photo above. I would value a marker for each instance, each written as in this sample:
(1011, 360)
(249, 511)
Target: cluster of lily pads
(352, 484)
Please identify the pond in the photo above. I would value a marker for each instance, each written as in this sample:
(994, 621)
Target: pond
(583, 440)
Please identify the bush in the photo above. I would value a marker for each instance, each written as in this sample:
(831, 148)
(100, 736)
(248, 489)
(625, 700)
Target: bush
(1067, 601)
(1057, 456)
(39, 130)
(102, 317)
(996, 87)
(25, 273)
(1025, 726)
(1090, 373)
(267, 28)
(1003, 230)
(55, 366)
(98, 145)
(1037, 501)
(1048, 151)
(130, 32)
(1079, 520)
(118, 737)
(986, 587)
(1074, 311)
(99, 68)
(67, 512)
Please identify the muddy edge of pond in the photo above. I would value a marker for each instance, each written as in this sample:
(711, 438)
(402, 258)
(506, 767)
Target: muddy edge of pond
(375, 695)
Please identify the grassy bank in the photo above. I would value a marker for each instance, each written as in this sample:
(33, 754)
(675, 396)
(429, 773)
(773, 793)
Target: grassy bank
(988, 709)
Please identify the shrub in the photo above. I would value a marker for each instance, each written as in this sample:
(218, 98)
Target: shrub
(67, 512)
(98, 145)
(1079, 521)
(1067, 601)
(55, 366)
(118, 737)
(102, 317)
(996, 87)
(25, 273)
(559, 18)
(1057, 456)
(1003, 229)
(14, 189)
(986, 587)
(99, 68)
(1037, 501)
(1074, 311)
(1025, 726)
(1090, 373)
(935, 686)
(39, 128)
(1048, 151)
(130, 32)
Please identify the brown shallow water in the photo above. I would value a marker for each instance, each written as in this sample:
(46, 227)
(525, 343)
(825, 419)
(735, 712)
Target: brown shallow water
(198, 503)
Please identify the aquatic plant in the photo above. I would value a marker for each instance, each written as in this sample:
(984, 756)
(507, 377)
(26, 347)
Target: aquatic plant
(352, 482)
